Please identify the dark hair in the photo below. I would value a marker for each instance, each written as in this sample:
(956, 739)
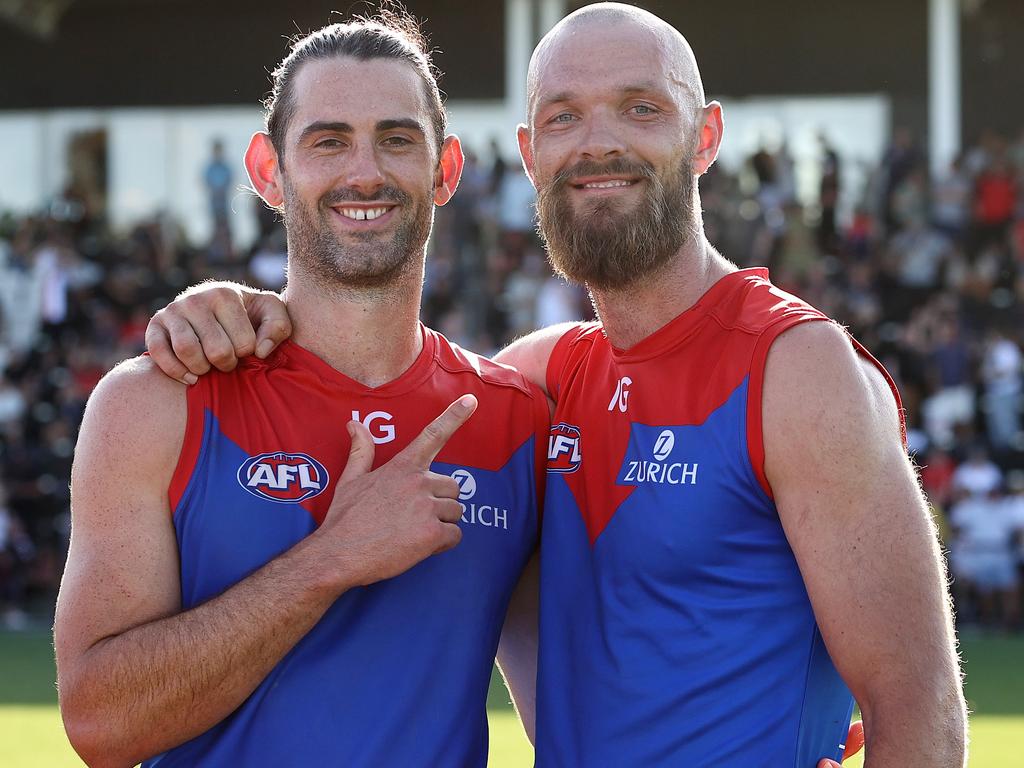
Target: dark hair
(391, 34)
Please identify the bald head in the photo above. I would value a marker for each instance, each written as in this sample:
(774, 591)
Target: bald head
(635, 29)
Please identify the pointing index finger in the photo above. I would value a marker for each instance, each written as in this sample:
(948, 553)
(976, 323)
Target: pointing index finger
(437, 433)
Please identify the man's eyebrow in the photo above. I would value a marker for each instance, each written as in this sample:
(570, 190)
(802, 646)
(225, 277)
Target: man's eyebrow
(556, 98)
(648, 86)
(324, 125)
(401, 122)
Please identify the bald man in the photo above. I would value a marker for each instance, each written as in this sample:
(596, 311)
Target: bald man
(734, 538)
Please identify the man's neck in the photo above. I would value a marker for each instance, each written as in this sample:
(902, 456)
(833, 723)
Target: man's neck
(371, 336)
(629, 315)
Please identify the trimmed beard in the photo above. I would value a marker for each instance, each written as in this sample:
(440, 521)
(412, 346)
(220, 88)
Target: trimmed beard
(604, 246)
(367, 260)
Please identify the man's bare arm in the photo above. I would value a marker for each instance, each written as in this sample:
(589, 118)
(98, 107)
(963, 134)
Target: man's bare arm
(136, 675)
(517, 650)
(212, 325)
(854, 514)
(530, 354)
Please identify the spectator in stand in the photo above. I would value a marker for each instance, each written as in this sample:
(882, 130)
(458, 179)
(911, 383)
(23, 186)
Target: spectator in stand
(950, 368)
(920, 253)
(1001, 373)
(899, 160)
(217, 178)
(983, 557)
(951, 200)
(909, 205)
(978, 476)
(995, 198)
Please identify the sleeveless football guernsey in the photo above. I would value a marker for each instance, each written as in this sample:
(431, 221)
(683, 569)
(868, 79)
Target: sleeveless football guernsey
(675, 626)
(395, 673)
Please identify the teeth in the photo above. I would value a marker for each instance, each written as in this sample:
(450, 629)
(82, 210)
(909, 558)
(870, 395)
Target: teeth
(362, 214)
(607, 184)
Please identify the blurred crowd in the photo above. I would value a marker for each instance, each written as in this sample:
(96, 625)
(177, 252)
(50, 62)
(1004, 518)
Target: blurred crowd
(926, 271)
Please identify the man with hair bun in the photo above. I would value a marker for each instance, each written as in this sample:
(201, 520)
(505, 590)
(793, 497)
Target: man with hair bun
(247, 584)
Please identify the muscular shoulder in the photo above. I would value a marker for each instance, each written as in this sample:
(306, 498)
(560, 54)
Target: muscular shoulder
(136, 416)
(824, 404)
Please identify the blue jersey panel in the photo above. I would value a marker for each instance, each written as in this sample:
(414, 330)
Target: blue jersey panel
(690, 590)
(395, 673)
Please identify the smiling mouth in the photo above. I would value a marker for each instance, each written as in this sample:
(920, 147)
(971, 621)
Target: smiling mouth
(606, 184)
(363, 214)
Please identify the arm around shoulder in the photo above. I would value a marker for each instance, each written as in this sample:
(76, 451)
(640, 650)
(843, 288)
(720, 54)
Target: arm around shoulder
(532, 353)
(852, 508)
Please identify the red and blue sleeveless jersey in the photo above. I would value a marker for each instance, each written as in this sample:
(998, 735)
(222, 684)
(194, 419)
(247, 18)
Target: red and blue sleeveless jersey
(675, 628)
(395, 673)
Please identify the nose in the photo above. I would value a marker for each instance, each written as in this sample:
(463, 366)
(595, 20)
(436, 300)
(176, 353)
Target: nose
(600, 139)
(362, 169)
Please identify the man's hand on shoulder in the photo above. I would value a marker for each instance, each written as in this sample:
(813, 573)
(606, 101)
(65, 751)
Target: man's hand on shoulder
(215, 324)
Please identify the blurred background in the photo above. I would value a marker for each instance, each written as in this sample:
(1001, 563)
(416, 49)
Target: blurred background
(873, 159)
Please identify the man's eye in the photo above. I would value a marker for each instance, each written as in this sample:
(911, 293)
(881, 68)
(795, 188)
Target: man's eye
(644, 109)
(564, 117)
(396, 141)
(328, 144)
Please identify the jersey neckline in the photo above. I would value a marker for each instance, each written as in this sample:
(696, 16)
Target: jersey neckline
(679, 328)
(420, 370)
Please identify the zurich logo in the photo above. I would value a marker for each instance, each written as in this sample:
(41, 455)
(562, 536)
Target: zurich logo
(287, 478)
(664, 444)
(467, 484)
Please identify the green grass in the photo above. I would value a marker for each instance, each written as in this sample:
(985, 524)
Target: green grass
(31, 733)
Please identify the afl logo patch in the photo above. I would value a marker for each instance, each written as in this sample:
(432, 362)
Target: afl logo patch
(284, 477)
(564, 448)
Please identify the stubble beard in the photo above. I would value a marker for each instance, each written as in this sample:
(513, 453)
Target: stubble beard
(360, 261)
(606, 247)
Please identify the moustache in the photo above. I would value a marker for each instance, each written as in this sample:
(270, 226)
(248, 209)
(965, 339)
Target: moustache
(617, 167)
(349, 195)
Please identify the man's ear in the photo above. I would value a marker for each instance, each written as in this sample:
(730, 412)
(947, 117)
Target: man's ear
(525, 150)
(709, 139)
(262, 166)
(449, 170)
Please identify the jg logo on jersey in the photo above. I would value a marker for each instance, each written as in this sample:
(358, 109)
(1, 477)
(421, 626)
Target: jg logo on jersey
(284, 477)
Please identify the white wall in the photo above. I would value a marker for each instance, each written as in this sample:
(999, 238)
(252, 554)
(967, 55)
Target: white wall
(857, 126)
(155, 161)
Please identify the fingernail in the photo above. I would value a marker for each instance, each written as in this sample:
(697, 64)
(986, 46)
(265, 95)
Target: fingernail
(190, 379)
(263, 348)
(466, 402)
(350, 430)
